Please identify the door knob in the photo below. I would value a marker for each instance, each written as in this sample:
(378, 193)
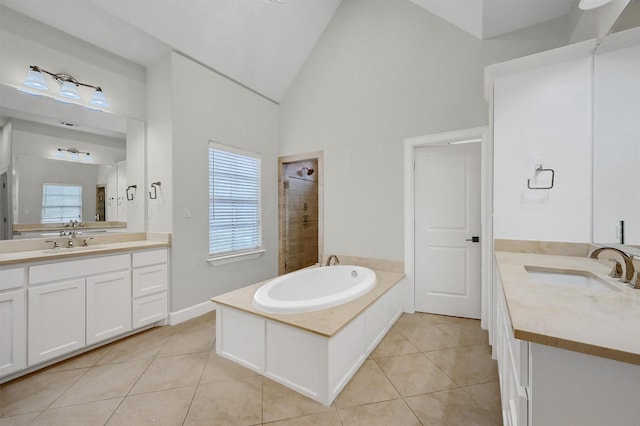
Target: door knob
(473, 239)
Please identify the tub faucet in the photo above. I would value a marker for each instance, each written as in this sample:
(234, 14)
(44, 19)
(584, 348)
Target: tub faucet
(335, 259)
(629, 270)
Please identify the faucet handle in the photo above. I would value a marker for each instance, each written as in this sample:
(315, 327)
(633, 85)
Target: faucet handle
(84, 241)
(616, 272)
(55, 243)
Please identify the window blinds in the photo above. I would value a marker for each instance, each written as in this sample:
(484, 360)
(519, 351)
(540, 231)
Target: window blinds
(234, 200)
(61, 203)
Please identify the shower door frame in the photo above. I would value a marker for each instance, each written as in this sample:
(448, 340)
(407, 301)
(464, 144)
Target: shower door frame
(282, 231)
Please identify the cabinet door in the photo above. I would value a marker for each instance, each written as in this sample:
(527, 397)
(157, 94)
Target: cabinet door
(108, 306)
(13, 332)
(56, 320)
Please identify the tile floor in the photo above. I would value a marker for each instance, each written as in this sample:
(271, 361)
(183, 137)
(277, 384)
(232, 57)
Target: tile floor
(428, 370)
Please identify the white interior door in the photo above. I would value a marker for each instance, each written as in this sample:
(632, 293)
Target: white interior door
(447, 218)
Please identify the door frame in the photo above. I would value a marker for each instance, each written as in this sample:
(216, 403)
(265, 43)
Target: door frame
(315, 155)
(486, 208)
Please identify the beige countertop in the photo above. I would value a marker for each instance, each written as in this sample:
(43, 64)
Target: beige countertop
(326, 322)
(36, 250)
(37, 227)
(605, 324)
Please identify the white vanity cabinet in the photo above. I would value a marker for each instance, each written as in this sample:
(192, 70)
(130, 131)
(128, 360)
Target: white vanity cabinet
(513, 364)
(13, 320)
(108, 306)
(56, 319)
(150, 284)
(77, 303)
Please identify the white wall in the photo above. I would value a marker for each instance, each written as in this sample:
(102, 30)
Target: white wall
(224, 112)
(616, 195)
(159, 146)
(383, 71)
(24, 42)
(543, 117)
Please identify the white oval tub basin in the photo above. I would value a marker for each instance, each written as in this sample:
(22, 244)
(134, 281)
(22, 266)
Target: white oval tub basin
(313, 289)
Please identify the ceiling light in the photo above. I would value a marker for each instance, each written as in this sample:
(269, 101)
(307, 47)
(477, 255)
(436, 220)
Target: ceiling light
(69, 86)
(592, 4)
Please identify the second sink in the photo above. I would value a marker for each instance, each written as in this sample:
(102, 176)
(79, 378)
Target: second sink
(578, 279)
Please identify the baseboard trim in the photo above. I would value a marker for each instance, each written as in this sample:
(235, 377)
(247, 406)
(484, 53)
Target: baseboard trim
(191, 312)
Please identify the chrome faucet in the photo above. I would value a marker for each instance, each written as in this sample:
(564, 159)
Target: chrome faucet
(84, 242)
(627, 275)
(72, 235)
(335, 259)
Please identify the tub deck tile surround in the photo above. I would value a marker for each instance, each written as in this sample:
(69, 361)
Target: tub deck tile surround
(31, 250)
(604, 325)
(326, 322)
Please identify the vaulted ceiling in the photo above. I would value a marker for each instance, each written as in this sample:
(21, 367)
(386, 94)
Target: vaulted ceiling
(261, 44)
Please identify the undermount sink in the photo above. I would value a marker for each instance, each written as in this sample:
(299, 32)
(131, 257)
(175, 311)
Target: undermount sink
(565, 278)
(71, 249)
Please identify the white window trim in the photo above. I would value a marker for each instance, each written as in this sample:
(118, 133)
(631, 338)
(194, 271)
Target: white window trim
(225, 259)
(239, 256)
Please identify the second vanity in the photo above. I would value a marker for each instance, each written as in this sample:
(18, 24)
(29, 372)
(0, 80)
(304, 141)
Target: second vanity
(55, 303)
(568, 349)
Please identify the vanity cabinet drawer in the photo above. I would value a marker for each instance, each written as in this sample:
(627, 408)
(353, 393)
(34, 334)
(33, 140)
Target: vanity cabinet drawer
(149, 280)
(149, 309)
(12, 278)
(78, 268)
(152, 257)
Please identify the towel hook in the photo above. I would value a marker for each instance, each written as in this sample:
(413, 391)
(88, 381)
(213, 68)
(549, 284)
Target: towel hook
(540, 169)
(130, 195)
(154, 185)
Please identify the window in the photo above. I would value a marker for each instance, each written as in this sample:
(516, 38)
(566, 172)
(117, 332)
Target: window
(61, 203)
(234, 201)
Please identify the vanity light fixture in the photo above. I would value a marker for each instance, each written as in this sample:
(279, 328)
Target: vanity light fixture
(73, 154)
(68, 86)
(592, 4)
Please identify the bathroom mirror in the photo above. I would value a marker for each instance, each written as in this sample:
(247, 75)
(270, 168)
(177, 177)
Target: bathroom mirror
(34, 128)
(616, 134)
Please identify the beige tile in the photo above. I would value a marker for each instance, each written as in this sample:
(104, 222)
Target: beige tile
(393, 344)
(142, 346)
(189, 342)
(94, 413)
(368, 385)
(280, 402)
(219, 369)
(454, 407)
(328, 418)
(85, 360)
(487, 395)
(467, 332)
(235, 402)
(103, 382)
(167, 407)
(386, 413)
(423, 333)
(35, 392)
(19, 420)
(171, 372)
(468, 365)
(203, 322)
(414, 374)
